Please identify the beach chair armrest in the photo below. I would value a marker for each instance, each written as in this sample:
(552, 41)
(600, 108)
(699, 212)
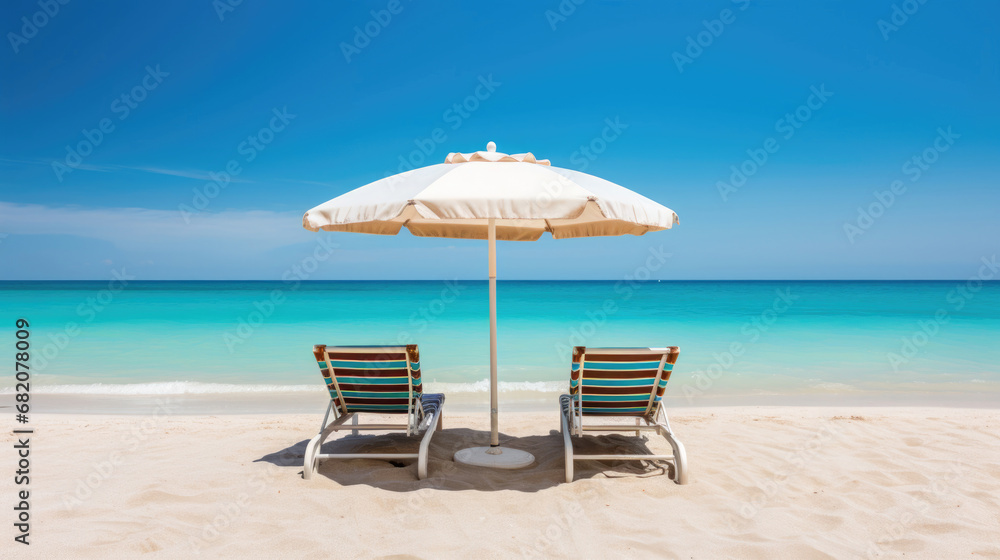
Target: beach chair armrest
(431, 402)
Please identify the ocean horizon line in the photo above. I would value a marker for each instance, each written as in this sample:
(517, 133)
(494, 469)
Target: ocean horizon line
(500, 281)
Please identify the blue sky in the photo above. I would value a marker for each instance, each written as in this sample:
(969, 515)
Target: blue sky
(699, 89)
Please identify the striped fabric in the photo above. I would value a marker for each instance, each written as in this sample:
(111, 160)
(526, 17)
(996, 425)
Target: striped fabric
(616, 383)
(370, 378)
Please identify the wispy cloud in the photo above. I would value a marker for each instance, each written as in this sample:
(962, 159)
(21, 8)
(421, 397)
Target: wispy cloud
(195, 174)
(115, 168)
(200, 175)
(304, 182)
(142, 228)
(73, 242)
(47, 162)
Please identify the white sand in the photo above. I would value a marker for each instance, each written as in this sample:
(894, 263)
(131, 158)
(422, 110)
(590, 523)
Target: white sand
(765, 483)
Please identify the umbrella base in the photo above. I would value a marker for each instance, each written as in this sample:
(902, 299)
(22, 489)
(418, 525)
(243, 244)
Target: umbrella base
(507, 458)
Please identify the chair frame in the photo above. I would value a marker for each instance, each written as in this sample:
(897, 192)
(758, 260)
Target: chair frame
(424, 414)
(655, 418)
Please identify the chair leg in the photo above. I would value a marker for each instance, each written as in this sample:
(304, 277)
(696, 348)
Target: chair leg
(354, 422)
(680, 456)
(680, 460)
(425, 442)
(309, 461)
(637, 432)
(567, 438)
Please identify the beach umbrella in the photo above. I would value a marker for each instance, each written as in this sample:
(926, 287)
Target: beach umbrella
(493, 196)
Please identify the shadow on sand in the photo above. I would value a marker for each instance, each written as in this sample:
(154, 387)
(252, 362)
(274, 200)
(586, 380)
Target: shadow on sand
(445, 474)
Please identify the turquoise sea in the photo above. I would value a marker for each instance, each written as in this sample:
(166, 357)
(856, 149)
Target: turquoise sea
(763, 342)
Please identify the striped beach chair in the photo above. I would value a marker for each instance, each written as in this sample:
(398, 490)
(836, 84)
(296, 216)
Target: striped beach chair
(611, 383)
(374, 380)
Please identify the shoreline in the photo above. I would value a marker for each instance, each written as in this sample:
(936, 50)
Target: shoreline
(472, 403)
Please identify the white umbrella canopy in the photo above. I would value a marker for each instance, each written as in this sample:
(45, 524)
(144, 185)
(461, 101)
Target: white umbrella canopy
(458, 198)
(492, 195)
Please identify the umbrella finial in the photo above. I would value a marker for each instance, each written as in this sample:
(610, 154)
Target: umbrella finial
(491, 147)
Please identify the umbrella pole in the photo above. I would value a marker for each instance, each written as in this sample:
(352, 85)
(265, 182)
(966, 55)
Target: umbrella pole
(494, 456)
(494, 414)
